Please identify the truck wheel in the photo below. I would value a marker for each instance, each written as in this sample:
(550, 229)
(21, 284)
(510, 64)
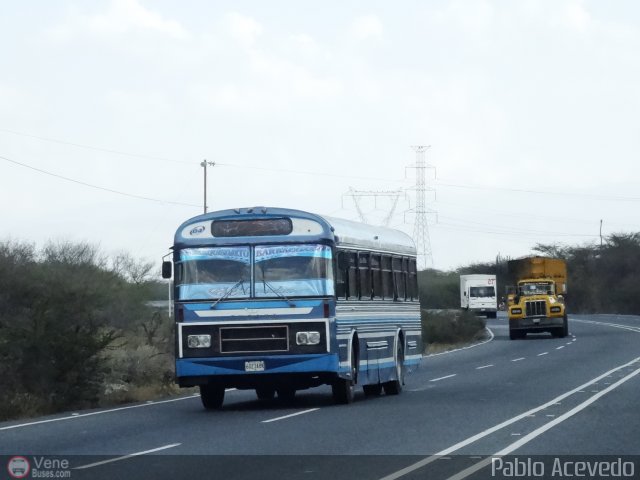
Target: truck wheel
(212, 396)
(514, 334)
(394, 387)
(565, 326)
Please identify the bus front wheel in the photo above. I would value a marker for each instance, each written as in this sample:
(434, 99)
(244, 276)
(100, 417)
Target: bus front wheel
(212, 396)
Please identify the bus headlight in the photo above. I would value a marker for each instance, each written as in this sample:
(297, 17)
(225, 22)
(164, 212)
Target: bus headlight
(308, 338)
(199, 341)
(555, 309)
(516, 311)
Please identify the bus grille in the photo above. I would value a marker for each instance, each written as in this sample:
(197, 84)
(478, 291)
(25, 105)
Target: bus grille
(266, 338)
(536, 308)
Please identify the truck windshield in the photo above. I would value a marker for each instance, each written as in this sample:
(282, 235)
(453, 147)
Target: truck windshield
(482, 292)
(213, 273)
(293, 270)
(536, 288)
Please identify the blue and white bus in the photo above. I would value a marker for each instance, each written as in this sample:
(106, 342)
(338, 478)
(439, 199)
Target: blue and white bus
(280, 300)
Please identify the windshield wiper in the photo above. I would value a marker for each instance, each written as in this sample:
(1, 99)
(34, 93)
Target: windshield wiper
(278, 292)
(229, 291)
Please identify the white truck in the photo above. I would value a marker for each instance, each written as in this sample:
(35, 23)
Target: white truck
(478, 294)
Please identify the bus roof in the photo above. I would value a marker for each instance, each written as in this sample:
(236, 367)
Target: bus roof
(345, 233)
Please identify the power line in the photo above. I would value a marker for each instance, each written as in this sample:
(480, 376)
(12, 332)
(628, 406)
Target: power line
(540, 192)
(90, 147)
(104, 189)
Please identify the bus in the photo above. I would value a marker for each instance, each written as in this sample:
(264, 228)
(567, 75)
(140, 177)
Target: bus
(280, 300)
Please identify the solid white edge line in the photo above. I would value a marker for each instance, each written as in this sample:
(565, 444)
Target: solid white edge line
(289, 416)
(427, 460)
(81, 415)
(124, 457)
(491, 336)
(539, 431)
(442, 378)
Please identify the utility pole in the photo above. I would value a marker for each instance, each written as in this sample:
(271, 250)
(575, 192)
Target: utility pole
(204, 164)
(421, 227)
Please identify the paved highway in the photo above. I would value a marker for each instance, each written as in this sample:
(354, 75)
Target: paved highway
(538, 396)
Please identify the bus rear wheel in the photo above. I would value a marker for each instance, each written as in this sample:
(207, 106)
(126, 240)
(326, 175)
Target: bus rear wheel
(212, 396)
(372, 390)
(394, 387)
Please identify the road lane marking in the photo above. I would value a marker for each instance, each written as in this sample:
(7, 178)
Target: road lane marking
(484, 366)
(442, 378)
(543, 353)
(82, 415)
(468, 441)
(289, 416)
(518, 359)
(124, 457)
(561, 346)
(539, 431)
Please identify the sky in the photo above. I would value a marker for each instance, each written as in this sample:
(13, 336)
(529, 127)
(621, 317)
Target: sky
(530, 109)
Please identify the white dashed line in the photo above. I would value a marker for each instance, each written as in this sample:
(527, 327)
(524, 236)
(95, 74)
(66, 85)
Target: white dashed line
(561, 346)
(484, 366)
(124, 457)
(289, 416)
(442, 378)
(518, 359)
(543, 353)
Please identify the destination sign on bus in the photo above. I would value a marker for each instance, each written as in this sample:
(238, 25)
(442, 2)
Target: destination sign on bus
(251, 228)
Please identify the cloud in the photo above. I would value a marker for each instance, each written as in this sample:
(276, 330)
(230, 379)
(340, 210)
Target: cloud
(573, 16)
(123, 16)
(244, 29)
(366, 27)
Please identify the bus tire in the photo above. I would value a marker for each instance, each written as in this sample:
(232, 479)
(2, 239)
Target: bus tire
(265, 393)
(372, 390)
(286, 394)
(394, 387)
(212, 396)
(343, 388)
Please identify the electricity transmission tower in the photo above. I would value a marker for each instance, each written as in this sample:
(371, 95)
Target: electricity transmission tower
(421, 227)
(357, 195)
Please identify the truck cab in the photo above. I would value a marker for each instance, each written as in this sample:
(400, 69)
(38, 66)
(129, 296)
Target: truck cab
(536, 308)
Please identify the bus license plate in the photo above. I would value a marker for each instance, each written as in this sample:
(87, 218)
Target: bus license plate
(254, 366)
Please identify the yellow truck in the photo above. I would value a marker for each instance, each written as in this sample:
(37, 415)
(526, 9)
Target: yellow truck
(538, 302)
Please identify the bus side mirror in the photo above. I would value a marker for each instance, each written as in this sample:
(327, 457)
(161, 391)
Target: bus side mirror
(166, 269)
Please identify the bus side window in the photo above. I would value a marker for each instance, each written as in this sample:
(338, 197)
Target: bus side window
(364, 276)
(376, 276)
(387, 279)
(341, 275)
(352, 276)
(413, 280)
(399, 278)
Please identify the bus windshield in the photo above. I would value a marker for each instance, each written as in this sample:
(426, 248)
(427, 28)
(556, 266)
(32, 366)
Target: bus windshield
(213, 273)
(280, 271)
(293, 270)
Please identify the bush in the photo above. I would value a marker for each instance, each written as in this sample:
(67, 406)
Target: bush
(451, 327)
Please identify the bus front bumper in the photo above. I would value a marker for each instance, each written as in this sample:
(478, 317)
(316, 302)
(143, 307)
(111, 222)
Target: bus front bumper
(256, 365)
